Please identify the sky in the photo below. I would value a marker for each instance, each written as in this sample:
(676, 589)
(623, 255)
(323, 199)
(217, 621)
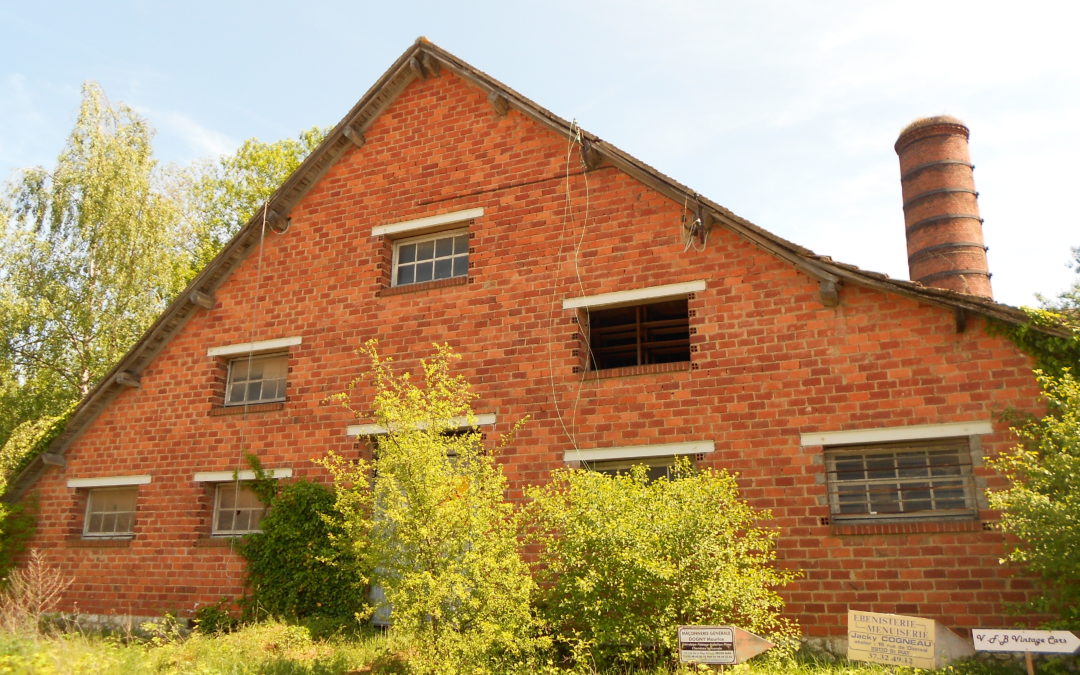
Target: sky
(783, 111)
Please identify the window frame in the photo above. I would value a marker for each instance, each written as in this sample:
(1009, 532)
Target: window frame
(243, 485)
(920, 488)
(451, 233)
(248, 361)
(641, 338)
(612, 467)
(89, 512)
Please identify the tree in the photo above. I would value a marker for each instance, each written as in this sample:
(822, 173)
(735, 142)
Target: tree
(1041, 506)
(624, 561)
(429, 520)
(223, 195)
(89, 257)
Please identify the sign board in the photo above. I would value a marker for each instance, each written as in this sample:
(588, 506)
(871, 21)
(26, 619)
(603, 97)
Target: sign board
(719, 645)
(891, 639)
(707, 644)
(1009, 640)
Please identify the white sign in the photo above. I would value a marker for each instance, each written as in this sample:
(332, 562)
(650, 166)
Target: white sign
(707, 644)
(1009, 640)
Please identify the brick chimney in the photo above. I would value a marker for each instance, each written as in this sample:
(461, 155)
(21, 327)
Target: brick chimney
(941, 211)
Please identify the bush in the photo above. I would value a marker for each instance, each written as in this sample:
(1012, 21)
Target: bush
(1041, 508)
(429, 517)
(623, 562)
(294, 570)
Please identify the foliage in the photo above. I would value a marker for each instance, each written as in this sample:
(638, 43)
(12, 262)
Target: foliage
(294, 571)
(429, 517)
(1068, 303)
(1041, 506)
(225, 194)
(31, 592)
(625, 561)
(89, 256)
(1051, 336)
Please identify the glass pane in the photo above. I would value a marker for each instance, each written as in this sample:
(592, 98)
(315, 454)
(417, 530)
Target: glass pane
(95, 522)
(406, 275)
(425, 250)
(423, 272)
(849, 469)
(461, 266)
(443, 268)
(884, 499)
(124, 522)
(407, 253)
(444, 247)
(461, 243)
(881, 467)
(224, 521)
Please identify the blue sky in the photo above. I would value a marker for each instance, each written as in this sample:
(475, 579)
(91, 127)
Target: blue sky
(785, 112)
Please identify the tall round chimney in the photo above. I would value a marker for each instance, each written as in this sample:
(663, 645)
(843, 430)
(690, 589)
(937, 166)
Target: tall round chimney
(941, 211)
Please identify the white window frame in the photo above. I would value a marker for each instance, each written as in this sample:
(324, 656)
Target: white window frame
(434, 237)
(239, 486)
(245, 361)
(88, 516)
(229, 478)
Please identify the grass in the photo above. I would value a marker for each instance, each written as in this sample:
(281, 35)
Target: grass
(280, 649)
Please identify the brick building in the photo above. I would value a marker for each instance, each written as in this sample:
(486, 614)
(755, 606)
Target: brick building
(630, 318)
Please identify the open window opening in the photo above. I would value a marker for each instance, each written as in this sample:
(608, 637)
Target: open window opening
(636, 335)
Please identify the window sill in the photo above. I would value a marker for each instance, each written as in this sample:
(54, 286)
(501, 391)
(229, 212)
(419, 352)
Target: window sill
(78, 541)
(221, 410)
(648, 369)
(915, 527)
(218, 541)
(423, 286)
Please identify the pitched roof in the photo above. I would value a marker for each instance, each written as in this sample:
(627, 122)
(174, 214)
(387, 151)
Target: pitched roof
(421, 60)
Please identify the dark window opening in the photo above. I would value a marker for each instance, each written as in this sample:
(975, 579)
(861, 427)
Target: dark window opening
(640, 334)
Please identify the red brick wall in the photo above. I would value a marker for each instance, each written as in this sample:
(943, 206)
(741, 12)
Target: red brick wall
(770, 362)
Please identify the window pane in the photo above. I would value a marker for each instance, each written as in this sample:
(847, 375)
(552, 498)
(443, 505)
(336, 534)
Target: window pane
(423, 271)
(461, 243)
(444, 247)
(406, 253)
(406, 275)
(461, 266)
(425, 250)
(444, 267)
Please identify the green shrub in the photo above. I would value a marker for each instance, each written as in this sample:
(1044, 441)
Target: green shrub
(294, 570)
(624, 561)
(430, 519)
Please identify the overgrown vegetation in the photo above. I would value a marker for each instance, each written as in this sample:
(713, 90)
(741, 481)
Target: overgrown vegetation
(1041, 506)
(624, 561)
(294, 570)
(428, 520)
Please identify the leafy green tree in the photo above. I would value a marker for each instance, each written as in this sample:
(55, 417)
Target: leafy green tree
(1041, 506)
(625, 561)
(89, 257)
(429, 518)
(224, 194)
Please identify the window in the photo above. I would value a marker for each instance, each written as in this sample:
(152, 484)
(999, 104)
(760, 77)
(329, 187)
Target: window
(110, 512)
(257, 379)
(658, 467)
(442, 255)
(901, 480)
(237, 509)
(637, 335)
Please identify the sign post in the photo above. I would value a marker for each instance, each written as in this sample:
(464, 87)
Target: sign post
(719, 645)
(1027, 641)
